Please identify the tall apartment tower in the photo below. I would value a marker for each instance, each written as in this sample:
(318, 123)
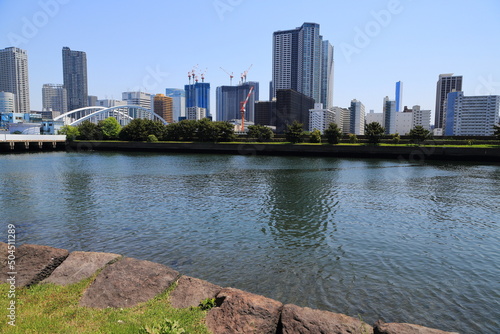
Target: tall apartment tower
(302, 61)
(357, 124)
(447, 83)
(75, 77)
(399, 96)
(389, 116)
(54, 98)
(179, 102)
(229, 98)
(14, 77)
(198, 95)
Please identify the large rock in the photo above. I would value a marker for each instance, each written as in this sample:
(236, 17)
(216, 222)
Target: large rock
(191, 291)
(396, 328)
(243, 312)
(79, 266)
(127, 283)
(304, 320)
(33, 263)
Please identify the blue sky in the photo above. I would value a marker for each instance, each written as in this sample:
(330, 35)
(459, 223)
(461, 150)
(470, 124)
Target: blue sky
(154, 44)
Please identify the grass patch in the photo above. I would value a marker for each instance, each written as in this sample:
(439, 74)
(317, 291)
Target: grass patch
(48, 308)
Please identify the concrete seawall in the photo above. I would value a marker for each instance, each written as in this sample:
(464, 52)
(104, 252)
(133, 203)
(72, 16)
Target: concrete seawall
(127, 282)
(408, 153)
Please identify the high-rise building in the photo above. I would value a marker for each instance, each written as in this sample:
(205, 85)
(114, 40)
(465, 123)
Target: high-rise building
(357, 124)
(198, 95)
(471, 115)
(54, 98)
(75, 77)
(399, 96)
(7, 102)
(140, 99)
(447, 83)
(320, 118)
(292, 106)
(163, 106)
(302, 61)
(179, 102)
(327, 75)
(389, 111)
(265, 113)
(14, 77)
(229, 98)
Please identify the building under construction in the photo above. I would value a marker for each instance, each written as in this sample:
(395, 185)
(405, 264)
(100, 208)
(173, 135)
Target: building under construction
(229, 99)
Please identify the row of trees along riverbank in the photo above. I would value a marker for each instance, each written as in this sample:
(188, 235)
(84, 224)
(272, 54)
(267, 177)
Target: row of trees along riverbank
(206, 130)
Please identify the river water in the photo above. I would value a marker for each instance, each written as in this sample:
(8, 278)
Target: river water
(403, 242)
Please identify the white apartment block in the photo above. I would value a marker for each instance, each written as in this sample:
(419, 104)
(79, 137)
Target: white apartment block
(342, 119)
(320, 118)
(196, 113)
(376, 117)
(7, 102)
(404, 122)
(421, 117)
(471, 115)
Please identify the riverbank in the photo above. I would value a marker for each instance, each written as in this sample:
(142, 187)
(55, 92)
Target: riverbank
(408, 153)
(115, 284)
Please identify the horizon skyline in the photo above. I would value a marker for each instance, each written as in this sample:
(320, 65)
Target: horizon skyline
(361, 52)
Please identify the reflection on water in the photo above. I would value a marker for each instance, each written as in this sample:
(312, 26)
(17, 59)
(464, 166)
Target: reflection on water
(380, 239)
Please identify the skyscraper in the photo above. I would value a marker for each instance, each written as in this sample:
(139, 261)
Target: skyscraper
(75, 78)
(229, 98)
(14, 77)
(302, 61)
(198, 95)
(446, 84)
(399, 96)
(163, 106)
(179, 102)
(54, 98)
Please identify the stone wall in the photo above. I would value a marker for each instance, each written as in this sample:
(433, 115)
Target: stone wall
(126, 282)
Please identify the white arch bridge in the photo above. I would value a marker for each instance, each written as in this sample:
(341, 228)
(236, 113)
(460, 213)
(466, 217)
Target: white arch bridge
(124, 114)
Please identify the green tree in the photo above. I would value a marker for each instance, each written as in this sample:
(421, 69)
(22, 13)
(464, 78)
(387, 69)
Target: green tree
(418, 134)
(260, 132)
(374, 131)
(396, 138)
(206, 130)
(89, 131)
(183, 130)
(139, 129)
(496, 128)
(70, 131)
(353, 138)
(225, 131)
(110, 128)
(294, 132)
(315, 136)
(333, 133)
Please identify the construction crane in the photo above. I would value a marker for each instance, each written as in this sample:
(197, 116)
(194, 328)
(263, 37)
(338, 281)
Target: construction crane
(244, 75)
(243, 109)
(203, 75)
(231, 76)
